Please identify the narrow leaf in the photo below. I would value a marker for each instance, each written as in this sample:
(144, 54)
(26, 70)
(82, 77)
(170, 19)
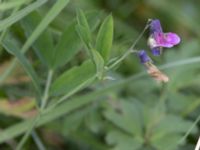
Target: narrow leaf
(44, 44)
(67, 47)
(49, 17)
(83, 28)
(105, 38)
(82, 20)
(72, 78)
(9, 5)
(11, 48)
(20, 14)
(69, 43)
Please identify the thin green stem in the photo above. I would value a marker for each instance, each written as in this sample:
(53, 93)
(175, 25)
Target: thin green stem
(46, 91)
(120, 59)
(38, 141)
(8, 71)
(28, 132)
(43, 101)
(141, 34)
(189, 131)
(131, 49)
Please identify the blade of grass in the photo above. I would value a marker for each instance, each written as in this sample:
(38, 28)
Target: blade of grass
(3, 34)
(37, 118)
(53, 12)
(38, 141)
(189, 130)
(20, 14)
(28, 132)
(6, 30)
(46, 91)
(7, 44)
(81, 101)
(9, 5)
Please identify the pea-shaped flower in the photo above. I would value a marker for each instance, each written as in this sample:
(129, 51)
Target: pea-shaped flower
(158, 39)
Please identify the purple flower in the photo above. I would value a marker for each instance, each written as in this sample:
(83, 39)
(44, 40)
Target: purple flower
(144, 58)
(158, 39)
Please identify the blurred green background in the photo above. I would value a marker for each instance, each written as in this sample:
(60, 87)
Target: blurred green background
(132, 112)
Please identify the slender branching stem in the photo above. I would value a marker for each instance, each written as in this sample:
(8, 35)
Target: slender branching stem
(131, 49)
(189, 131)
(46, 91)
(41, 109)
(38, 141)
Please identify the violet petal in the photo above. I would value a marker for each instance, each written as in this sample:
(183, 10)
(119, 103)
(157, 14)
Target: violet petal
(155, 26)
(144, 58)
(172, 38)
(166, 39)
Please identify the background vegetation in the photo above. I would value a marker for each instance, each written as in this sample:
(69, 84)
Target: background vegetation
(57, 90)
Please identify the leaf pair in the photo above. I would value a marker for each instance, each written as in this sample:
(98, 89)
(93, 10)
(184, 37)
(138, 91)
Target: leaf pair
(79, 77)
(99, 53)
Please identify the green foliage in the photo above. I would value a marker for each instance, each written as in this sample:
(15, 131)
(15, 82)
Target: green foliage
(105, 38)
(69, 44)
(81, 101)
(143, 125)
(75, 77)
(83, 28)
(84, 32)
(12, 48)
(98, 60)
(20, 14)
(44, 44)
(122, 141)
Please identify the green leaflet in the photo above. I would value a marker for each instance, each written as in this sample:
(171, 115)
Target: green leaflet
(68, 45)
(105, 38)
(85, 34)
(73, 78)
(129, 120)
(83, 28)
(123, 141)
